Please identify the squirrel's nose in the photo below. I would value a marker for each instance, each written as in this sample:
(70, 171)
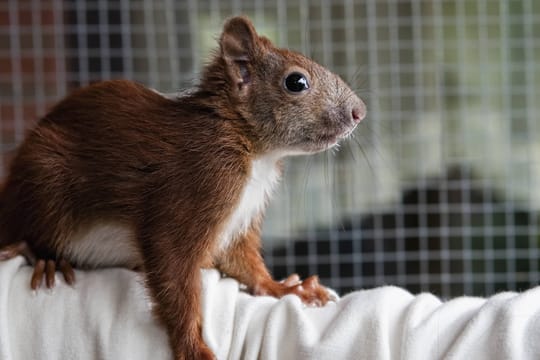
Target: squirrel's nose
(358, 113)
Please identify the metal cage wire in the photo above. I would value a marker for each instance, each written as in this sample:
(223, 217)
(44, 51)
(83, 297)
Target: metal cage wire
(438, 190)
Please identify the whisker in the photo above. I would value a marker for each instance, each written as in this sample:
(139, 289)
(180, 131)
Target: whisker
(365, 156)
(372, 143)
(325, 164)
(351, 152)
(365, 94)
(382, 158)
(369, 125)
(331, 183)
(356, 76)
(307, 171)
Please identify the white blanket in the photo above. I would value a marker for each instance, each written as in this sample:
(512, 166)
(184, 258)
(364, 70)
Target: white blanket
(107, 316)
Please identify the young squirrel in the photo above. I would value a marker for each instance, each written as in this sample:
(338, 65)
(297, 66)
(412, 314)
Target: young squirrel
(117, 174)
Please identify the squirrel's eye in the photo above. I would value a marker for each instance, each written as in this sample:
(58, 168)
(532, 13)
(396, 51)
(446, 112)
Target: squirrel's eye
(296, 82)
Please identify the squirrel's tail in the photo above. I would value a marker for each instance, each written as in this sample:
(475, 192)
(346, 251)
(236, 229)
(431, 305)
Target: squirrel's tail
(9, 247)
(4, 239)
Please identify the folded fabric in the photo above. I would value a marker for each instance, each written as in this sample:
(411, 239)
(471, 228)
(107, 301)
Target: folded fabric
(107, 315)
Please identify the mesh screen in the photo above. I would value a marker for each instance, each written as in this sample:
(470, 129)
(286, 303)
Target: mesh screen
(439, 188)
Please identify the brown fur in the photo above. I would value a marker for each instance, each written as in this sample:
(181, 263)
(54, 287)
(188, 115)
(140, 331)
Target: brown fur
(173, 170)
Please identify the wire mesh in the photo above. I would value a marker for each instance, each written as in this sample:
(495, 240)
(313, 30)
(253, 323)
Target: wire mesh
(438, 190)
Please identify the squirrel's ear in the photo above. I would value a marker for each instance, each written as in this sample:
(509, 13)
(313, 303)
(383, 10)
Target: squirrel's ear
(238, 39)
(238, 44)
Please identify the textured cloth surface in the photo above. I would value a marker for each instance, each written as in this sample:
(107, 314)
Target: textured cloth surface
(107, 315)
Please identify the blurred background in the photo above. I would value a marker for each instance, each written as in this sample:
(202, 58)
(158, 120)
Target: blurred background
(438, 191)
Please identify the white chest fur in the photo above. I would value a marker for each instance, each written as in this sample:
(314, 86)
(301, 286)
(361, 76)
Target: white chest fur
(264, 177)
(103, 244)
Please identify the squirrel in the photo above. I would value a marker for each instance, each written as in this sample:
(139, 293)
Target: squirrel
(117, 174)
